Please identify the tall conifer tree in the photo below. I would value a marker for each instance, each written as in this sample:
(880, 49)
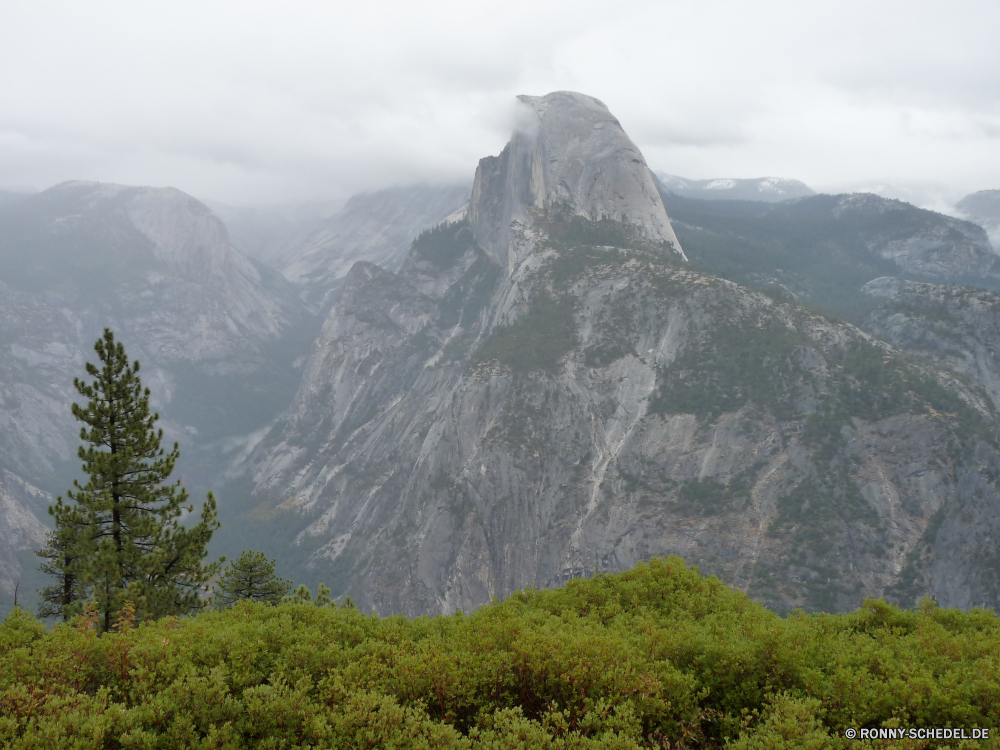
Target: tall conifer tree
(122, 537)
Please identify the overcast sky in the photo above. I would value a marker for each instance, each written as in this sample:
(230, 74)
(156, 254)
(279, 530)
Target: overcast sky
(257, 102)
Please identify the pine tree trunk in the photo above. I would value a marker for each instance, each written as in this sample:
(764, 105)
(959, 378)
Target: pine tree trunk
(116, 531)
(67, 597)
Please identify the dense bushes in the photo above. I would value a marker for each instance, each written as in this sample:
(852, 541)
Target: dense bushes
(652, 656)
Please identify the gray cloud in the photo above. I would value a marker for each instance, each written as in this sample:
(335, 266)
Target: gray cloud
(263, 102)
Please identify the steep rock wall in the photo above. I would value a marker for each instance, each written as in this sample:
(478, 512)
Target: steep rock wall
(456, 441)
(570, 153)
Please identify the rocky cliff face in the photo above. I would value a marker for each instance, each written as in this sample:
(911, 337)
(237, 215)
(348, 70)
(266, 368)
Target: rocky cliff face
(943, 247)
(570, 154)
(456, 441)
(509, 415)
(21, 532)
(959, 327)
(154, 263)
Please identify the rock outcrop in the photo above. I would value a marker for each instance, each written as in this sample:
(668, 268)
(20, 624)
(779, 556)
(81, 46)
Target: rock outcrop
(569, 154)
(442, 451)
(822, 249)
(155, 263)
(940, 246)
(21, 532)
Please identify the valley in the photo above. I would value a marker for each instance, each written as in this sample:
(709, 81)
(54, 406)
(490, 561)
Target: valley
(438, 395)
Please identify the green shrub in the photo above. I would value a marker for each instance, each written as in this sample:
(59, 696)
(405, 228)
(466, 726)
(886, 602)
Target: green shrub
(656, 656)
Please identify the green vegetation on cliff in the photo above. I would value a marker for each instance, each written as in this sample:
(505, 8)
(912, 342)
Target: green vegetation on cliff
(535, 341)
(658, 656)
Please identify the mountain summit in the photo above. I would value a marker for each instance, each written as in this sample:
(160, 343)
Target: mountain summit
(569, 154)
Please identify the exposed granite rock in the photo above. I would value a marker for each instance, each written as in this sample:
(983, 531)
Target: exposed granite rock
(542, 391)
(21, 532)
(822, 249)
(570, 153)
(437, 455)
(154, 264)
(958, 326)
(924, 242)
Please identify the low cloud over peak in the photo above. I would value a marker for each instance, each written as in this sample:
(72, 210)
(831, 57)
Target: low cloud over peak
(264, 103)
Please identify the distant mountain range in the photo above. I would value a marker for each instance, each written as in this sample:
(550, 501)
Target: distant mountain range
(768, 189)
(820, 250)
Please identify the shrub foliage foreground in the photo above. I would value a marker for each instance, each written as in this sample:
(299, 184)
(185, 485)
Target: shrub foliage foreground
(658, 656)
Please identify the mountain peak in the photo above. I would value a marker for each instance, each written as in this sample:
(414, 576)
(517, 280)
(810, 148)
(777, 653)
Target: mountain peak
(568, 151)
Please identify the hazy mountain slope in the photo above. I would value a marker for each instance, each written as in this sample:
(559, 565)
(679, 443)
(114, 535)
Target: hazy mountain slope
(109, 251)
(11, 196)
(376, 227)
(470, 426)
(262, 232)
(215, 332)
(823, 248)
(768, 189)
(158, 268)
(957, 326)
(984, 209)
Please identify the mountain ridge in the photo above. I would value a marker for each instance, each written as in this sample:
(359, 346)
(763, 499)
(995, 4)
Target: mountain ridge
(767, 189)
(515, 407)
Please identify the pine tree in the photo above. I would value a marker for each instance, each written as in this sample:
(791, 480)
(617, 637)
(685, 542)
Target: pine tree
(323, 598)
(301, 595)
(67, 547)
(123, 540)
(251, 577)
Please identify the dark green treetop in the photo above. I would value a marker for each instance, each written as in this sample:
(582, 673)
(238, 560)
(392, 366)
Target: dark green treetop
(250, 577)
